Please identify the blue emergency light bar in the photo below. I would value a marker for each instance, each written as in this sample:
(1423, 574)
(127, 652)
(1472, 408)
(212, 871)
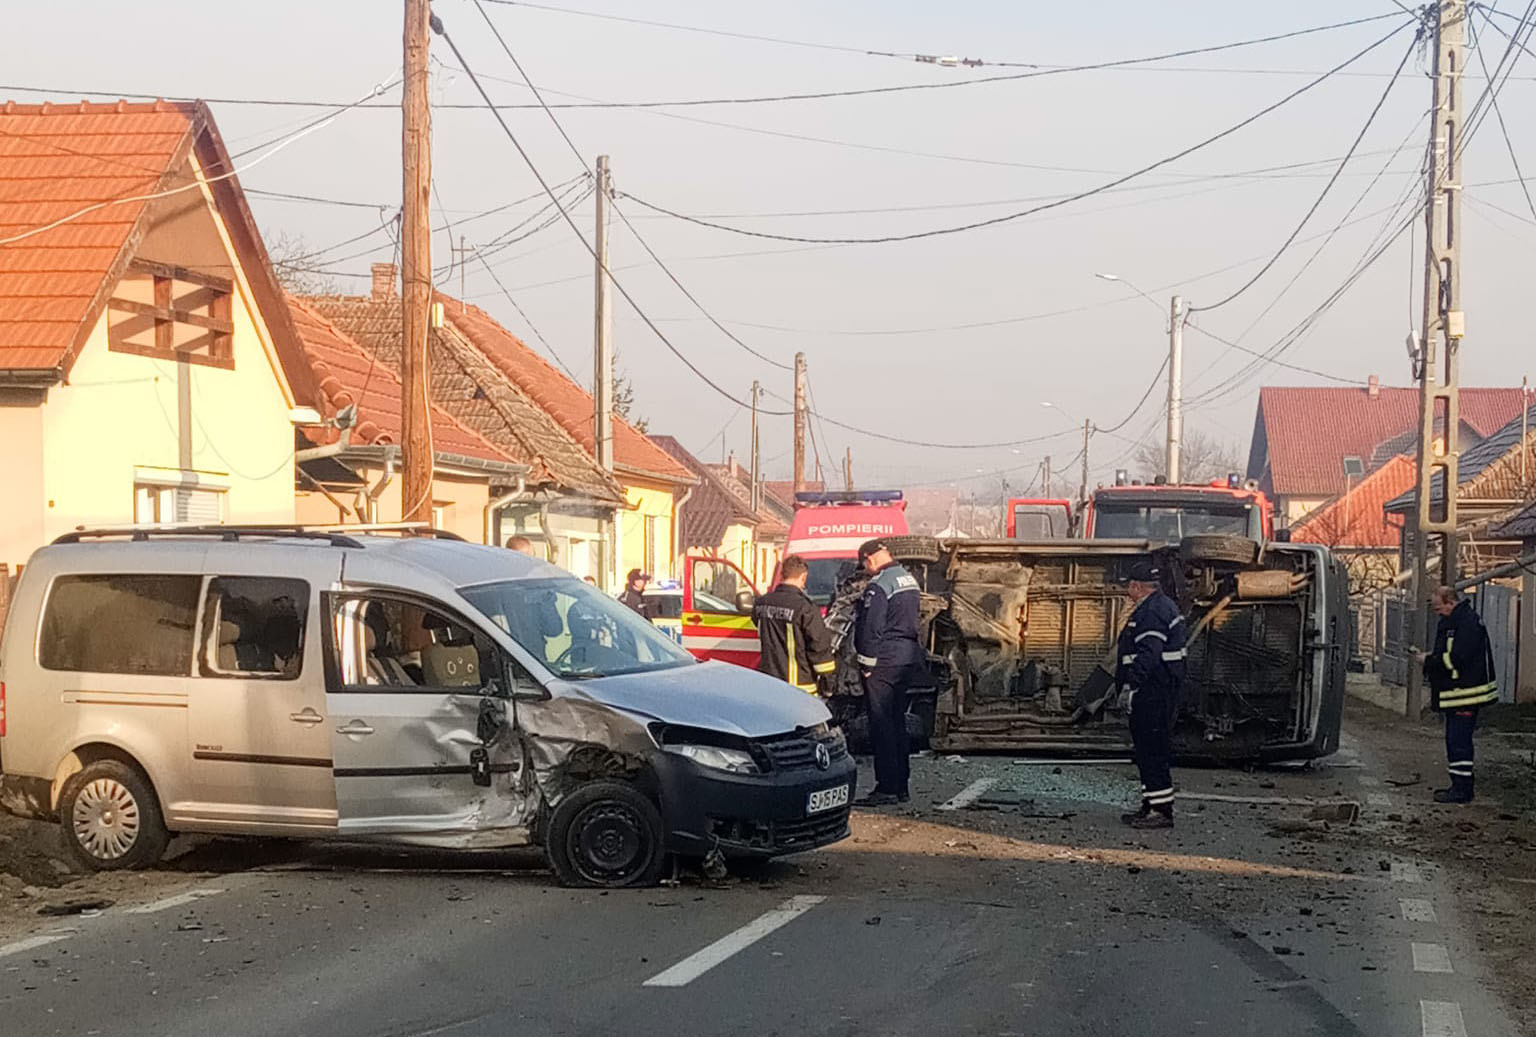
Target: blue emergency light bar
(848, 497)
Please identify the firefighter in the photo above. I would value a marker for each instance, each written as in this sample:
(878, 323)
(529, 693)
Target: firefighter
(1461, 681)
(797, 646)
(891, 660)
(1151, 674)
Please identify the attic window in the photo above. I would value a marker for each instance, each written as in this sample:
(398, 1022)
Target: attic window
(171, 313)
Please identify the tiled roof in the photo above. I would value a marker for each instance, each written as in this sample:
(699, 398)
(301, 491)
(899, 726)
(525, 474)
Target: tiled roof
(1302, 435)
(466, 385)
(711, 508)
(95, 162)
(770, 526)
(345, 374)
(782, 491)
(1522, 526)
(1357, 519)
(1491, 469)
(564, 400)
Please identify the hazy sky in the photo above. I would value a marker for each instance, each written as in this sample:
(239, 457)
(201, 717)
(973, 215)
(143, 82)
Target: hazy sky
(986, 150)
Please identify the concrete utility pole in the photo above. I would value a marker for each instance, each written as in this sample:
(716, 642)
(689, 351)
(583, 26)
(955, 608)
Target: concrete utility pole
(416, 269)
(800, 417)
(1443, 326)
(1082, 494)
(602, 339)
(1045, 479)
(1175, 385)
(756, 447)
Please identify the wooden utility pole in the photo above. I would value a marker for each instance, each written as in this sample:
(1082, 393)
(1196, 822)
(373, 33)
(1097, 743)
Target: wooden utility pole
(416, 269)
(800, 417)
(756, 450)
(602, 352)
(1082, 494)
(848, 469)
(1439, 345)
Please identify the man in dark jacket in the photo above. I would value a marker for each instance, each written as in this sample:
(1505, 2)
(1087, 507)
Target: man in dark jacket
(1461, 681)
(1151, 673)
(891, 660)
(796, 644)
(633, 594)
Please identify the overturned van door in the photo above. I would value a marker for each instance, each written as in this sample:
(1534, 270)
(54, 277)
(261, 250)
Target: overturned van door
(419, 711)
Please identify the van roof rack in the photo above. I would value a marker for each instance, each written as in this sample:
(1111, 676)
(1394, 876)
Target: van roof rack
(329, 534)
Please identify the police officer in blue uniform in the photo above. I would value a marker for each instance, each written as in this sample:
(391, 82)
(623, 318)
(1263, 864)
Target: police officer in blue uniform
(892, 660)
(1151, 674)
(1461, 681)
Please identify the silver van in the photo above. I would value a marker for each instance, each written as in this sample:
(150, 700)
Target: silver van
(416, 689)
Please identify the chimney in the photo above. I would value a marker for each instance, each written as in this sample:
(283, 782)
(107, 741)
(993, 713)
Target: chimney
(1372, 384)
(384, 280)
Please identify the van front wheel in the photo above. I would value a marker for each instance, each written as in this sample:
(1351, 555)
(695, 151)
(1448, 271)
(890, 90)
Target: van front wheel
(606, 833)
(111, 818)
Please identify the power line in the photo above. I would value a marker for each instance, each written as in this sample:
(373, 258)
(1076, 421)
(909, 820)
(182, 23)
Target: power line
(1323, 194)
(993, 221)
(1271, 360)
(1503, 129)
(1139, 403)
(526, 320)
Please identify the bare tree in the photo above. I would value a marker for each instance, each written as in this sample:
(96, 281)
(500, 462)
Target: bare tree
(1202, 457)
(297, 267)
(1370, 568)
(624, 398)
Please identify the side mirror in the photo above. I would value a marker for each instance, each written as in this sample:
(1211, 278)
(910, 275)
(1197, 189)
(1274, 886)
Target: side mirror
(1282, 536)
(745, 599)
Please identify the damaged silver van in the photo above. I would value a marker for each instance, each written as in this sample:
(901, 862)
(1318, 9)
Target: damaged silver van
(414, 689)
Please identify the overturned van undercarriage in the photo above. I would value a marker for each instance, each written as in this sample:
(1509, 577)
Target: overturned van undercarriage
(1021, 640)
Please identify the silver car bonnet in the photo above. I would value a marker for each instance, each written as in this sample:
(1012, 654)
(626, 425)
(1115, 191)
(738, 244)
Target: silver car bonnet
(712, 695)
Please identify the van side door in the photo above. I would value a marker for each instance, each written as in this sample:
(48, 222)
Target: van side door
(717, 612)
(419, 723)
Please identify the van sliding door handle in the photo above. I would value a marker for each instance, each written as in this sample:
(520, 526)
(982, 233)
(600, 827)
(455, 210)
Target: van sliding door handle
(356, 727)
(306, 716)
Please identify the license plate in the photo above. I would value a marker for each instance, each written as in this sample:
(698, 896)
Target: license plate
(828, 799)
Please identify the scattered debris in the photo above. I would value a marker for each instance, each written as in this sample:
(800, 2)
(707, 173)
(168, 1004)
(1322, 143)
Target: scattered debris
(75, 907)
(1404, 783)
(1346, 812)
(190, 927)
(713, 865)
(872, 920)
(1281, 949)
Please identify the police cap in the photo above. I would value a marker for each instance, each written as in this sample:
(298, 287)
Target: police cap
(1146, 572)
(871, 547)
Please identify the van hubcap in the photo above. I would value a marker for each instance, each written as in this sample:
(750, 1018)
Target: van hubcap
(106, 819)
(608, 843)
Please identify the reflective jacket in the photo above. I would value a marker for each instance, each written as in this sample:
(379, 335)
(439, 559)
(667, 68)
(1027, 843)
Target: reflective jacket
(886, 631)
(1152, 648)
(1460, 667)
(797, 646)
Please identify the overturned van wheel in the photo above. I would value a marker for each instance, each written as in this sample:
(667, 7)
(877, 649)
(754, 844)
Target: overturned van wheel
(606, 833)
(1219, 547)
(111, 818)
(913, 548)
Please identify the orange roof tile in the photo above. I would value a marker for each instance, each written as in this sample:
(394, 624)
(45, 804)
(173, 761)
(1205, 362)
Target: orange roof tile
(1358, 519)
(568, 403)
(346, 374)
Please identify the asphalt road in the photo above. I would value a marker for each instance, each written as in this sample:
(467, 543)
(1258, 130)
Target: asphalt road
(1246, 919)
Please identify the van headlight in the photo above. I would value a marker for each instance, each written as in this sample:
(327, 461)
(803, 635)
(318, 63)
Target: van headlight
(736, 761)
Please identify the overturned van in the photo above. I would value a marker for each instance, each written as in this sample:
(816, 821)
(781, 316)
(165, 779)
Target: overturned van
(1021, 639)
(412, 689)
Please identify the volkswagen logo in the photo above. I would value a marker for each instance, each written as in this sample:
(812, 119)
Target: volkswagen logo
(823, 757)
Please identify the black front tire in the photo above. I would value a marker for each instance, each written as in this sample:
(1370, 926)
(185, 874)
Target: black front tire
(111, 817)
(607, 834)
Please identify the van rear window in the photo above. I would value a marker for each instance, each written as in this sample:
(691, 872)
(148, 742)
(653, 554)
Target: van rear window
(120, 624)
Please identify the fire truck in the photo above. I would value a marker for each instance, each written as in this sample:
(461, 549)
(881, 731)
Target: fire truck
(1167, 512)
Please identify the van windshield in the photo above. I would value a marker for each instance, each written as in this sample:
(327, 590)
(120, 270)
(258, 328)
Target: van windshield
(821, 584)
(574, 629)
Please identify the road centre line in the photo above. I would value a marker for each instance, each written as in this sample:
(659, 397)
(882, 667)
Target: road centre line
(1431, 957)
(700, 962)
(968, 795)
(1417, 910)
(1442, 1019)
(180, 899)
(32, 942)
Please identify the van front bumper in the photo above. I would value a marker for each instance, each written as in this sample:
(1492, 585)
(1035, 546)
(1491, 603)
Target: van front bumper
(750, 815)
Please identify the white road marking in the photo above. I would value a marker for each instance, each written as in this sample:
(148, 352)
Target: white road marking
(1442, 1019)
(32, 942)
(179, 900)
(1406, 871)
(695, 965)
(1417, 910)
(1378, 799)
(1431, 957)
(1370, 782)
(968, 795)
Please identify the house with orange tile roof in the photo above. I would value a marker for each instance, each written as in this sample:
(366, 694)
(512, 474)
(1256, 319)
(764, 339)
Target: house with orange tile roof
(149, 367)
(594, 522)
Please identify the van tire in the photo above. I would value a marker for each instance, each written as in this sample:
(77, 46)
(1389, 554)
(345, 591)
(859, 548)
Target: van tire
(111, 817)
(913, 548)
(607, 834)
(1219, 547)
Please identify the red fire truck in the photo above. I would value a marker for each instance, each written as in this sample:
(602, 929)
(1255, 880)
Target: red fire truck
(1169, 512)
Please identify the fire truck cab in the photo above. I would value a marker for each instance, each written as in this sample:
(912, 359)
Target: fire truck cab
(1168, 513)
(829, 526)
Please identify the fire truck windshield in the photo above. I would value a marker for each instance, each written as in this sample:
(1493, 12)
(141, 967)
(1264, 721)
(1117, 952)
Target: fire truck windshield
(821, 583)
(1114, 519)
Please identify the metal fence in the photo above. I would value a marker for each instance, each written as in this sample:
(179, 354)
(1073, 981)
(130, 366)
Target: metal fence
(1500, 608)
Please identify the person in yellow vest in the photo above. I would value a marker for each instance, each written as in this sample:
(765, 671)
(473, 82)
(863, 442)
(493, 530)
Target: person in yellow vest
(796, 644)
(1461, 681)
